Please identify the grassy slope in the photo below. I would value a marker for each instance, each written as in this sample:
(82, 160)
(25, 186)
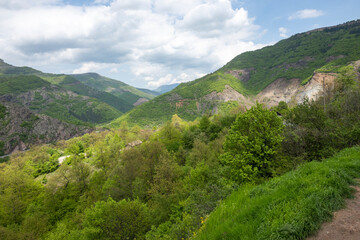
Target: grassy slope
(117, 88)
(296, 57)
(14, 85)
(285, 59)
(78, 87)
(70, 83)
(288, 207)
(59, 103)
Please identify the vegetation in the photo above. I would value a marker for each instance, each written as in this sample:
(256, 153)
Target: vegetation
(296, 57)
(288, 207)
(70, 83)
(19, 84)
(117, 88)
(57, 102)
(165, 182)
(166, 187)
(299, 56)
(2, 145)
(3, 111)
(252, 145)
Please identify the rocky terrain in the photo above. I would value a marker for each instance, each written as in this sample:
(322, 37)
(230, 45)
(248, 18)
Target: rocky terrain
(21, 128)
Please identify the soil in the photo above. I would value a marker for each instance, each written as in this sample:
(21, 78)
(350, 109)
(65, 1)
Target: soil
(345, 224)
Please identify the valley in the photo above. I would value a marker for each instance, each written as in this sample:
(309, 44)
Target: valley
(265, 147)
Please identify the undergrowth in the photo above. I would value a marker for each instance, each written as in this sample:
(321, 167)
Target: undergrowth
(292, 206)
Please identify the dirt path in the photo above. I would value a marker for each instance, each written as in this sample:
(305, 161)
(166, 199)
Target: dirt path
(345, 224)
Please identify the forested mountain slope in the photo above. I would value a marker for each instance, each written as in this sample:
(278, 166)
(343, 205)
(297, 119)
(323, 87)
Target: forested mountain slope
(291, 65)
(125, 92)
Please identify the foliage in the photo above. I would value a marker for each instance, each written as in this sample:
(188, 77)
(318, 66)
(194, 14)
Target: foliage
(19, 84)
(252, 145)
(288, 207)
(297, 57)
(123, 91)
(3, 111)
(117, 220)
(2, 145)
(172, 175)
(29, 124)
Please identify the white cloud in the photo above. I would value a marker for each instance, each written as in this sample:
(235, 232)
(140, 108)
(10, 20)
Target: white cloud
(306, 13)
(92, 67)
(18, 4)
(158, 41)
(283, 32)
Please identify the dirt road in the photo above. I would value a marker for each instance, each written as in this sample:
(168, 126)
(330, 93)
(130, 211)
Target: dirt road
(345, 224)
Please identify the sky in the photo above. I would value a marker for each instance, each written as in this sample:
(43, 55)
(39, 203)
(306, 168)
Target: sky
(148, 43)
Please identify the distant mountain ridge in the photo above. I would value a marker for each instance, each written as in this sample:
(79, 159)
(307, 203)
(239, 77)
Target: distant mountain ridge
(62, 100)
(122, 90)
(284, 71)
(166, 88)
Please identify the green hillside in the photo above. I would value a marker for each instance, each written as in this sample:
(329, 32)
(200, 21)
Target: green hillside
(70, 83)
(7, 69)
(123, 91)
(299, 55)
(78, 87)
(249, 73)
(53, 100)
(292, 206)
(14, 85)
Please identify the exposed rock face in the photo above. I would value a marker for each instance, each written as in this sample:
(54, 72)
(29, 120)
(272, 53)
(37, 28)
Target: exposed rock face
(291, 90)
(242, 74)
(228, 94)
(213, 99)
(279, 90)
(315, 87)
(22, 128)
(140, 101)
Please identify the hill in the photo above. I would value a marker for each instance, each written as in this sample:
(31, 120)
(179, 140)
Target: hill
(166, 88)
(287, 71)
(123, 91)
(28, 101)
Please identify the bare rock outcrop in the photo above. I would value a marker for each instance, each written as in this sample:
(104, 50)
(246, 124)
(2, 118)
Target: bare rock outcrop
(21, 128)
(140, 101)
(242, 74)
(280, 90)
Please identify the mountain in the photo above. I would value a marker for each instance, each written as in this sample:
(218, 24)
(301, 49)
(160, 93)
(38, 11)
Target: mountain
(152, 92)
(123, 91)
(289, 71)
(60, 105)
(166, 88)
(36, 111)
(20, 128)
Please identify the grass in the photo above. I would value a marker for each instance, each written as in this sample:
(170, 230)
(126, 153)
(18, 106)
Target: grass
(292, 206)
(296, 57)
(19, 84)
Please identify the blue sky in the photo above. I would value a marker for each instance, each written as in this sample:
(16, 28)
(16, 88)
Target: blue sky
(147, 43)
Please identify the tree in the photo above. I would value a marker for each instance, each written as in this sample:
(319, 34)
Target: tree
(117, 220)
(252, 144)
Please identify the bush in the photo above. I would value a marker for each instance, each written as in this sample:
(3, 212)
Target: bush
(252, 144)
(117, 220)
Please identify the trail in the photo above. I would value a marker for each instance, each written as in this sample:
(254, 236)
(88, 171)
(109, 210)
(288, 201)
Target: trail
(345, 224)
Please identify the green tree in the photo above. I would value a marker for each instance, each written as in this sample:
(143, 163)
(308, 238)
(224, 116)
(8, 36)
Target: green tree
(117, 220)
(252, 144)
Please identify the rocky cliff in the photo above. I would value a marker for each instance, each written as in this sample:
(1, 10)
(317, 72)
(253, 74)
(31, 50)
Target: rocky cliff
(20, 128)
